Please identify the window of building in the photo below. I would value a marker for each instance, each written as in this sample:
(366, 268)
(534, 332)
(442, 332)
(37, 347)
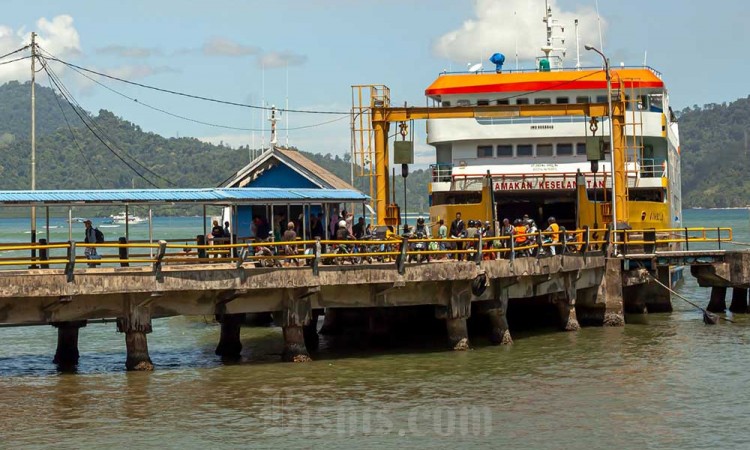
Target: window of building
(484, 151)
(562, 100)
(524, 150)
(505, 151)
(522, 101)
(463, 103)
(542, 101)
(601, 99)
(503, 101)
(564, 149)
(446, 103)
(483, 102)
(544, 150)
(580, 149)
(582, 99)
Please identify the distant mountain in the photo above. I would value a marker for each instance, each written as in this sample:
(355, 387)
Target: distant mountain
(715, 155)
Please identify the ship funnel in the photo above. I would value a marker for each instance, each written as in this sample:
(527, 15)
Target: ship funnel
(498, 59)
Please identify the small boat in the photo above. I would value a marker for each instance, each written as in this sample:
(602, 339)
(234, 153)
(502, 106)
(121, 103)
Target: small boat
(77, 219)
(119, 219)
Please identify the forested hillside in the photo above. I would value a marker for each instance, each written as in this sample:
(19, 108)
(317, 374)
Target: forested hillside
(715, 159)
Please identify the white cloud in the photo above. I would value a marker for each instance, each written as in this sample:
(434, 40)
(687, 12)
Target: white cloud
(273, 60)
(501, 25)
(57, 36)
(218, 46)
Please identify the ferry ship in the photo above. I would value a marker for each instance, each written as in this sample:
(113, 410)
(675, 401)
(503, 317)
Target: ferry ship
(532, 162)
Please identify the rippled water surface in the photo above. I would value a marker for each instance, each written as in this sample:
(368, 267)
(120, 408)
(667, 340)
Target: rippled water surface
(662, 381)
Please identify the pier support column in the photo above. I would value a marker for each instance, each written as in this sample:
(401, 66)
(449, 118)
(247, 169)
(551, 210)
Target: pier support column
(497, 309)
(718, 302)
(739, 301)
(332, 322)
(66, 355)
(656, 297)
(136, 324)
(566, 304)
(230, 345)
(292, 319)
(455, 308)
(603, 305)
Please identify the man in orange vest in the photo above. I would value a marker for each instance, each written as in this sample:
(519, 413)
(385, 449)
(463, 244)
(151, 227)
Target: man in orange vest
(554, 228)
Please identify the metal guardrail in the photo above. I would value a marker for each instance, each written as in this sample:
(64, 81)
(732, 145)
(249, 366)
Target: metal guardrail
(396, 249)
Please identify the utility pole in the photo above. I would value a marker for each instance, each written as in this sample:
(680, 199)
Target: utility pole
(33, 139)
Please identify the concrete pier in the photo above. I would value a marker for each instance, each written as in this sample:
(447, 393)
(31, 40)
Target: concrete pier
(136, 324)
(739, 303)
(603, 305)
(66, 355)
(456, 297)
(230, 345)
(295, 315)
(718, 302)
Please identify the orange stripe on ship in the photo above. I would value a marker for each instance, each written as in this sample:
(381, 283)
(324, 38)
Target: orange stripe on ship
(530, 86)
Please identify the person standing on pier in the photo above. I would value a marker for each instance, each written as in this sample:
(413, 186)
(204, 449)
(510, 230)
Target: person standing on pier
(457, 231)
(90, 238)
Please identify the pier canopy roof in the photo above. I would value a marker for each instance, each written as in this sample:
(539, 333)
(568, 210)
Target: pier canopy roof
(206, 196)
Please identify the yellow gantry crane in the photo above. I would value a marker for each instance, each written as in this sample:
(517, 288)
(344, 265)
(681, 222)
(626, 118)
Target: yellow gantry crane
(374, 153)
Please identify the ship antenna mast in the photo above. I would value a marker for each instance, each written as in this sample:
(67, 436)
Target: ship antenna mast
(552, 36)
(578, 49)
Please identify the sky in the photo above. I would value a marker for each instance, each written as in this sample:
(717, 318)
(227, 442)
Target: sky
(311, 52)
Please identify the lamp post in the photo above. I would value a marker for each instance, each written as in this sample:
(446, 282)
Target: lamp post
(611, 139)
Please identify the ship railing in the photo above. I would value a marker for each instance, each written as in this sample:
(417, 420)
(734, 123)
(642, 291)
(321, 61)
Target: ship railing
(563, 69)
(398, 249)
(540, 120)
(441, 172)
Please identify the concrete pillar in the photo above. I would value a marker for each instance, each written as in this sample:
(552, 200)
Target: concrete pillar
(739, 301)
(230, 345)
(455, 308)
(292, 319)
(136, 324)
(718, 302)
(497, 310)
(656, 297)
(602, 305)
(500, 334)
(458, 334)
(566, 304)
(66, 355)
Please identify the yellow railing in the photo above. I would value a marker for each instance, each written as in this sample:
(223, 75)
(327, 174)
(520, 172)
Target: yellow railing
(333, 251)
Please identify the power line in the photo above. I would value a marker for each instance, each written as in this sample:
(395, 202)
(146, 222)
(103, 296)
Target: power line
(75, 140)
(16, 51)
(193, 96)
(103, 133)
(63, 91)
(189, 119)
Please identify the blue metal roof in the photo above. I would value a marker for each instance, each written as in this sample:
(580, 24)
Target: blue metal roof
(157, 196)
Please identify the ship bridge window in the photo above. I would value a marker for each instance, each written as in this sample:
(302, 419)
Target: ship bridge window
(564, 149)
(522, 101)
(601, 99)
(583, 99)
(524, 150)
(542, 101)
(463, 103)
(483, 103)
(446, 103)
(503, 101)
(484, 151)
(562, 100)
(544, 150)
(580, 149)
(505, 151)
